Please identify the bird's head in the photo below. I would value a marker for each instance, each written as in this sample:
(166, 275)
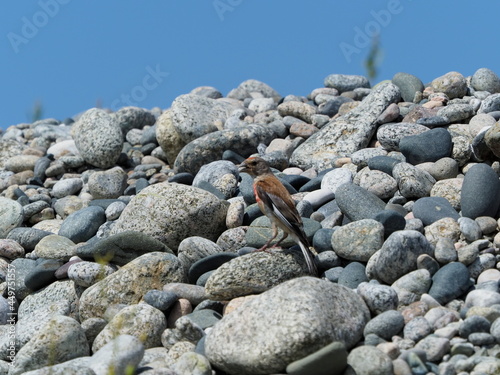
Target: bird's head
(254, 166)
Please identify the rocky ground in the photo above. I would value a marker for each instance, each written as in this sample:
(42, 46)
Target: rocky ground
(126, 238)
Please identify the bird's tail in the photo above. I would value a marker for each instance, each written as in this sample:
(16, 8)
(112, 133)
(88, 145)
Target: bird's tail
(309, 259)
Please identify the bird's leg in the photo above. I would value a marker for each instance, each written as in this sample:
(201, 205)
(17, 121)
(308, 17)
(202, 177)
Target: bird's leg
(266, 245)
(285, 235)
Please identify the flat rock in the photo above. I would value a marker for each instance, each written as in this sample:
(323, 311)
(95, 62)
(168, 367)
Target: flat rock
(318, 311)
(130, 283)
(172, 212)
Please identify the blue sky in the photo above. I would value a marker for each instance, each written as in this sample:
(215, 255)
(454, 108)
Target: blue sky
(71, 55)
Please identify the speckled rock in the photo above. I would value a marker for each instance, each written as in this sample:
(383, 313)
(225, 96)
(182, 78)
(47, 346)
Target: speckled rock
(398, 255)
(347, 133)
(485, 79)
(11, 216)
(60, 340)
(254, 273)
(142, 321)
(453, 84)
(107, 184)
(210, 147)
(358, 240)
(413, 182)
(119, 356)
(266, 347)
(172, 212)
(389, 135)
(98, 138)
(130, 283)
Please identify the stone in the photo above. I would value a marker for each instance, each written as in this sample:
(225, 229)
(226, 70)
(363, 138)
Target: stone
(485, 79)
(329, 360)
(358, 240)
(432, 209)
(122, 248)
(428, 146)
(122, 354)
(344, 82)
(11, 216)
(389, 135)
(60, 340)
(367, 360)
(142, 321)
(409, 85)
(107, 184)
(347, 133)
(450, 282)
(83, 224)
(452, 84)
(398, 255)
(130, 283)
(265, 346)
(98, 138)
(480, 195)
(358, 203)
(412, 182)
(68, 186)
(172, 212)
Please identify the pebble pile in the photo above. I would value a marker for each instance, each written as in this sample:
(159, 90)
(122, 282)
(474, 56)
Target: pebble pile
(126, 237)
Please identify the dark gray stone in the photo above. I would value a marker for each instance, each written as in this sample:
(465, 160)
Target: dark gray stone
(353, 275)
(480, 195)
(358, 203)
(42, 275)
(432, 209)
(450, 282)
(122, 248)
(82, 225)
(408, 84)
(208, 263)
(428, 146)
(383, 163)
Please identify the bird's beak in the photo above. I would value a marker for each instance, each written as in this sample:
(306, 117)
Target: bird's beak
(242, 167)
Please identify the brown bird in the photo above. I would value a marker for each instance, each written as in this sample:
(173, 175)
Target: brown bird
(277, 204)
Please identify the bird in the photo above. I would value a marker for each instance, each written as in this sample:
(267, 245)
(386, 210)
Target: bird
(277, 204)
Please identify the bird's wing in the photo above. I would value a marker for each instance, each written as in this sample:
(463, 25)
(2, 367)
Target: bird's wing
(284, 211)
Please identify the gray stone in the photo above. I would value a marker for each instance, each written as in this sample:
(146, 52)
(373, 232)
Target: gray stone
(77, 366)
(412, 182)
(121, 355)
(172, 212)
(417, 328)
(59, 291)
(27, 237)
(86, 274)
(195, 115)
(452, 84)
(378, 298)
(451, 281)
(192, 363)
(368, 360)
(55, 247)
(114, 210)
(490, 104)
(334, 313)
(434, 347)
(358, 203)
(398, 255)
(485, 79)
(122, 248)
(379, 183)
(68, 186)
(411, 286)
(329, 360)
(11, 216)
(107, 184)
(480, 195)
(409, 85)
(254, 273)
(210, 147)
(98, 137)
(130, 283)
(344, 82)
(346, 134)
(456, 113)
(69, 204)
(142, 321)
(358, 240)
(82, 225)
(389, 135)
(60, 340)
(385, 325)
(223, 175)
(299, 110)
